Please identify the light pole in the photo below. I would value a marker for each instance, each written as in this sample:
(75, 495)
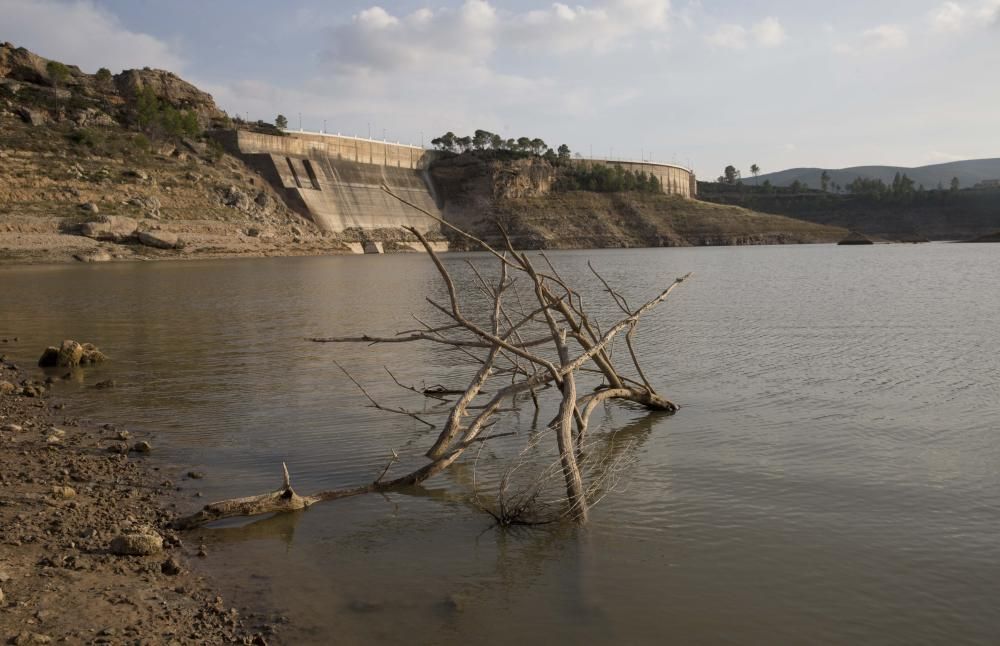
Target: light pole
(324, 126)
(300, 122)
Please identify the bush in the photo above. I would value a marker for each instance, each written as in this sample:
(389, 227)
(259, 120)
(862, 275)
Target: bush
(58, 73)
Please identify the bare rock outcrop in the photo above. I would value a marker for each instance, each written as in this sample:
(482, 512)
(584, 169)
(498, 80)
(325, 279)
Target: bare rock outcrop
(70, 354)
(113, 228)
(159, 239)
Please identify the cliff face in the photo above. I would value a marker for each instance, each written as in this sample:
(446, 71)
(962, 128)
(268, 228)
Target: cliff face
(476, 195)
(23, 72)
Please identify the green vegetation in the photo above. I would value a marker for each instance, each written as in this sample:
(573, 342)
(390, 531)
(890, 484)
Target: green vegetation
(104, 79)
(281, 121)
(600, 178)
(162, 120)
(58, 73)
(488, 144)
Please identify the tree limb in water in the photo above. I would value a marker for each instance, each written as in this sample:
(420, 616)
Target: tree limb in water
(528, 365)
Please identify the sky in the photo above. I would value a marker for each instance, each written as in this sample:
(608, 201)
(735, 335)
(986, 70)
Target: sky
(702, 83)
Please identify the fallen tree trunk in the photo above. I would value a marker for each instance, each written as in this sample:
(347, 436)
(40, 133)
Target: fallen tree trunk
(558, 311)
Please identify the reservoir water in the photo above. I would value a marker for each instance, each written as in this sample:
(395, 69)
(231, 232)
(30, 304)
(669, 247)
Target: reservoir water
(833, 475)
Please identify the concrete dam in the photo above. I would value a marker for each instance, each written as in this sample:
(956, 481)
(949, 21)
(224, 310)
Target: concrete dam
(336, 181)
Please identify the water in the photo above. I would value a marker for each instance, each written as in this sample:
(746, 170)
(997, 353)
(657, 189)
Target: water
(831, 478)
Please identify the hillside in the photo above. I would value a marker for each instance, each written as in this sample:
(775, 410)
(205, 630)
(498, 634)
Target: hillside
(126, 166)
(123, 158)
(522, 195)
(969, 173)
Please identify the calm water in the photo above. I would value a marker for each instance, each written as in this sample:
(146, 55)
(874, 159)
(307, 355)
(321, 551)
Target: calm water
(832, 477)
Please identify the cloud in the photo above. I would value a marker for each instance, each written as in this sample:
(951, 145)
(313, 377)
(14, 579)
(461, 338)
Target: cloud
(769, 32)
(885, 37)
(766, 33)
(881, 38)
(728, 36)
(376, 41)
(989, 12)
(79, 33)
(948, 17)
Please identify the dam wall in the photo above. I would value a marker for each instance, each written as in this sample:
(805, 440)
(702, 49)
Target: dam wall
(676, 180)
(336, 181)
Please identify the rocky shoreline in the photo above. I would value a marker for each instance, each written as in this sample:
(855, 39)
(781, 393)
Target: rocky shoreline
(85, 555)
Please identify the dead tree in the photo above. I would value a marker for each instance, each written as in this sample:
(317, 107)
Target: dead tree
(521, 351)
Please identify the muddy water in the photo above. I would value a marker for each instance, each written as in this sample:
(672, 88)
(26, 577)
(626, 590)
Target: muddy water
(832, 477)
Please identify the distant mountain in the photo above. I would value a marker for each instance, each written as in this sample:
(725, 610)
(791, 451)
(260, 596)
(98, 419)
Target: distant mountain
(968, 172)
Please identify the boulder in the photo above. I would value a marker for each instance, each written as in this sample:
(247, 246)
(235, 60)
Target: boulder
(142, 447)
(98, 255)
(7, 388)
(90, 207)
(113, 228)
(147, 203)
(855, 238)
(70, 354)
(33, 117)
(137, 173)
(63, 492)
(159, 239)
(139, 542)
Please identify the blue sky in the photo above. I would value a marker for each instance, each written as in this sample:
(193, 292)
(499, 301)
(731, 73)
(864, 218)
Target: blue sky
(701, 82)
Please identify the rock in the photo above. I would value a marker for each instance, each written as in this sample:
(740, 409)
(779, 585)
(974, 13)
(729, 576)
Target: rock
(28, 637)
(99, 255)
(6, 388)
(93, 117)
(70, 354)
(158, 239)
(137, 173)
(33, 117)
(11, 428)
(63, 492)
(855, 238)
(113, 228)
(104, 385)
(142, 447)
(195, 475)
(147, 203)
(1, 596)
(141, 542)
(117, 448)
(90, 207)
(171, 567)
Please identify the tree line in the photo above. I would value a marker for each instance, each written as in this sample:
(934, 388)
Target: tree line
(600, 178)
(484, 141)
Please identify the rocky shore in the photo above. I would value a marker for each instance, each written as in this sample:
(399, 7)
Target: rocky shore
(85, 556)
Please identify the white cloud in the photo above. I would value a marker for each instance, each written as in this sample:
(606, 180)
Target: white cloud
(766, 33)
(79, 33)
(769, 32)
(881, 38)
(989, 12)
(885, 37)
(948, 17)
(729, 36)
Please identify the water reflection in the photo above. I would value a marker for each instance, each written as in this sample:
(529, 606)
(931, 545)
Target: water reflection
(830, 478)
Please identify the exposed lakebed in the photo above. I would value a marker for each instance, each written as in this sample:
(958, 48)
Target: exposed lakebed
(831, 476)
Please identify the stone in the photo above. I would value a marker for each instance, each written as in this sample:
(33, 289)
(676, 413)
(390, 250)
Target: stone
(33, 117)
(63, 492)
(159, 239)
(104, 385)
(142, 447)
(171, 567)
(196, 475)
(70, 354)
(147, 203)
(137, 173)
(1, 596)
(11, 428)
(141, 542)
(99, 255)
(7, 388)
(28, 637)
(90, 207)
(112, 228)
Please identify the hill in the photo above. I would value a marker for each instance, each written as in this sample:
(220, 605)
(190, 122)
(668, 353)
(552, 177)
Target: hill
(969, 173)
(122, 166)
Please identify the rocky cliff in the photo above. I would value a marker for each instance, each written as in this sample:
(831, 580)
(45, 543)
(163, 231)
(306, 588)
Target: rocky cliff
(476, 194)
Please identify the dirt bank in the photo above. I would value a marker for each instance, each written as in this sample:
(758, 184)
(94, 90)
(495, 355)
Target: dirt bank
(68, 489)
